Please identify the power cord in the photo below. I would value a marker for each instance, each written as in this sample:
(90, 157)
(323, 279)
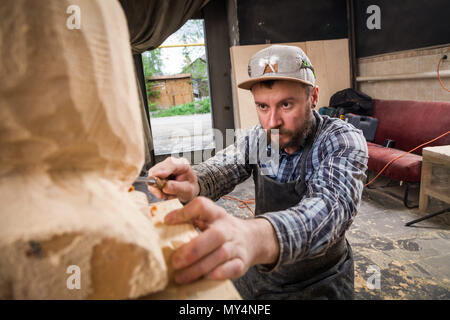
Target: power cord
(244, 203)
(398, 157)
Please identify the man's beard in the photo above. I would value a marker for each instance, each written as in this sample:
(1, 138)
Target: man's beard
(299, 136)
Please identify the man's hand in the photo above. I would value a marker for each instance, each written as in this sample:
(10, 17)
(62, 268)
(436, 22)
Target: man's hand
(226, 248)
(185, 186)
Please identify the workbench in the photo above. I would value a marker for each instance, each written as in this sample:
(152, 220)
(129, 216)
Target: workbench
(435, 179)
(436, 187)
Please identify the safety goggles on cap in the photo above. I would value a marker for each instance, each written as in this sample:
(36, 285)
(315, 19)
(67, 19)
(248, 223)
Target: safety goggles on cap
(279, 62)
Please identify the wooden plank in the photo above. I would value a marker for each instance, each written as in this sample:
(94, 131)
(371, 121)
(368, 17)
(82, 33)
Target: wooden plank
(438, 194)
(337, 63)
(440, 152)
(316, 49)
(424, 185)
(245, 113)
(199, 290)
(171, 238)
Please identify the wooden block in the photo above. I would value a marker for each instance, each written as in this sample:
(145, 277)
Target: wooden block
(71, 144)
(45, 229)
(171, 238)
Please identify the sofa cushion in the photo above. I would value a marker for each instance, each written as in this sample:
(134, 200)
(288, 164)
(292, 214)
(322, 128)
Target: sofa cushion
(406, 168)
(411, 123)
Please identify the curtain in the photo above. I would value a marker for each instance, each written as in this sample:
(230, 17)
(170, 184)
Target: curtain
(143, 104)
(150, 22)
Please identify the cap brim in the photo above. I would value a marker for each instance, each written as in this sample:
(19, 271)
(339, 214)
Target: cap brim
(248, 84)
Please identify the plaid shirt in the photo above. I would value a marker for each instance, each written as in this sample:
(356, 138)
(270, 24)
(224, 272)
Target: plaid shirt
(335, 171)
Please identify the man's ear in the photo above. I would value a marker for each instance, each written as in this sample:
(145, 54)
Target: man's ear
(314, 97)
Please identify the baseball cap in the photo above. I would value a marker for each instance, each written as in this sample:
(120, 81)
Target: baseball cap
(279, 62)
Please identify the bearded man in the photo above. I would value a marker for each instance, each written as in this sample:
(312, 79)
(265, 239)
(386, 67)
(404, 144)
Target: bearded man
(307, 192)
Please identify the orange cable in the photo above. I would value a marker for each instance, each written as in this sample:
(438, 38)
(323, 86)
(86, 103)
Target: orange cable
(404, 155)
(244, 203)
(439, 76)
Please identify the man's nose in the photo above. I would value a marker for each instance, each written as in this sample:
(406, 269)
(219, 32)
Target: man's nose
(275, 120)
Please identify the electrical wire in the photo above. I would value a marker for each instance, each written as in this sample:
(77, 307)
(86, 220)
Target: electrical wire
(398, 157)
(244, 203)
(442, 85)
(439, 76)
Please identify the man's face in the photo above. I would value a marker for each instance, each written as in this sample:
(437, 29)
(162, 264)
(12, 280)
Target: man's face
(286, 107)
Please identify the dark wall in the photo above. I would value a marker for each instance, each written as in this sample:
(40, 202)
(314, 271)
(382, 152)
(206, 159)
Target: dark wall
(404, 25)
(261, 21)
(219, 64)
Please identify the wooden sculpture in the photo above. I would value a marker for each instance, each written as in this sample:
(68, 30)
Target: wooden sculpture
(71, 145)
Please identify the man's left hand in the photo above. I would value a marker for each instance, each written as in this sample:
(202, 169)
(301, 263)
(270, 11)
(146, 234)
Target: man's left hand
(227, 247)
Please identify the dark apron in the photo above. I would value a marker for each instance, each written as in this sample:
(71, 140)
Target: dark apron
(330, 276)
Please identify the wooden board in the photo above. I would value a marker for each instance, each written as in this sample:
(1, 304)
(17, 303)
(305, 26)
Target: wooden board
(331, 63)
(171, 238)
(441, 153)
(200, 290)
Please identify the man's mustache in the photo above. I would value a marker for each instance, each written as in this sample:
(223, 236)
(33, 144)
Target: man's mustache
(280, 131)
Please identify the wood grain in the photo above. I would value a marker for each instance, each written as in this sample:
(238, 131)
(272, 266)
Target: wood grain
(71, 144)
(171, 238)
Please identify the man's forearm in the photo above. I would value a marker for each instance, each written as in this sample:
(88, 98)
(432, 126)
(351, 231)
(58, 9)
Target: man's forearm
(264, 241)
(216, 179)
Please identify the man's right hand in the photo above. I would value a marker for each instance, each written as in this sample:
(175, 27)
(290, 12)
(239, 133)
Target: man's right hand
(185, 186)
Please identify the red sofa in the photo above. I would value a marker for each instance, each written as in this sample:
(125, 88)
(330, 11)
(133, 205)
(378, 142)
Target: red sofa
(409, 124)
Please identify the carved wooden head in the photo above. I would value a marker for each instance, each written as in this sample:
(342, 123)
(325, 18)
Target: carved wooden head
(68, 96)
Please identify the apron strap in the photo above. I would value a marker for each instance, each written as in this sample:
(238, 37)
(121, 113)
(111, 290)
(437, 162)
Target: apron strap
(301, 185)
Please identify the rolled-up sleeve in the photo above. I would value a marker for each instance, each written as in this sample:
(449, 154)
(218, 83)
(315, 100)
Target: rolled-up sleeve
(334, 189)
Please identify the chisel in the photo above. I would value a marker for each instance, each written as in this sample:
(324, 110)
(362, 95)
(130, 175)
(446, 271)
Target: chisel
(154, 181)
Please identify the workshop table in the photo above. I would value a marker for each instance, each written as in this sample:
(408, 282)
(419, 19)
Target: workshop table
(433, 157)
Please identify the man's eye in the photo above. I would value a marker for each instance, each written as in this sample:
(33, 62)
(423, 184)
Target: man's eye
(286, 104)
(261, 106)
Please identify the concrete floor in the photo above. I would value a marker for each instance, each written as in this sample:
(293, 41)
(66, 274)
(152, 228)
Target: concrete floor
(414, 262)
